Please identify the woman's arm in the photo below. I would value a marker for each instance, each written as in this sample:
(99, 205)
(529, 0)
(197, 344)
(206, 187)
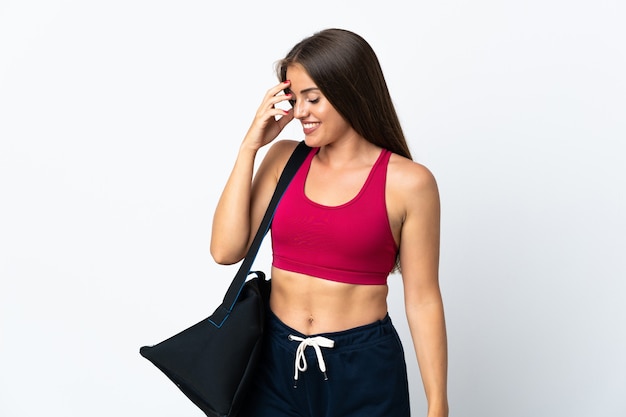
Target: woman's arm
(241, 206)
(419, 262)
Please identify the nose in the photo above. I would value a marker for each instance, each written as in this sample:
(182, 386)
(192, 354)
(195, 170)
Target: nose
(300, 109)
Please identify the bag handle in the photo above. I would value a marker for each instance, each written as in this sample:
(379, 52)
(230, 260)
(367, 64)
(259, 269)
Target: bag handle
(223, 311)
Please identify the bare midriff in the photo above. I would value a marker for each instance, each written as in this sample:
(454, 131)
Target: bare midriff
(312, 305)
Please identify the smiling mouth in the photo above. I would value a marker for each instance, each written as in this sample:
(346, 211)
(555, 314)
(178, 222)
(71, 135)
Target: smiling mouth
(309, 128)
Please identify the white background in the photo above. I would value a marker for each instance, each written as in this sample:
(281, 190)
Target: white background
(119, 122)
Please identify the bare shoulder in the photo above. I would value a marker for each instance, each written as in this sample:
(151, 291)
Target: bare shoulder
(284, 146)
(266, 177)
(410, 178)
(412, 202)
(278, 155)
(274, 161)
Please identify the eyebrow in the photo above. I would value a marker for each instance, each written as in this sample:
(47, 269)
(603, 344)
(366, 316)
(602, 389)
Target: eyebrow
(307, 90)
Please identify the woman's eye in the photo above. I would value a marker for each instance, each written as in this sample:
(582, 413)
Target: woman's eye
(308, 100)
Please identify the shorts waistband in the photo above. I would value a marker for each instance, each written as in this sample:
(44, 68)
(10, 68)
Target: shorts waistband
(346, 339)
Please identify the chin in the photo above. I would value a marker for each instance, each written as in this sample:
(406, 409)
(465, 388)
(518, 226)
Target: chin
(310, 142)
(314, 142)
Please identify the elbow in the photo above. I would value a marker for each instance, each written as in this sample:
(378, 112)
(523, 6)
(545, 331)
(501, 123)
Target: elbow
(223, 257)
(227, 251)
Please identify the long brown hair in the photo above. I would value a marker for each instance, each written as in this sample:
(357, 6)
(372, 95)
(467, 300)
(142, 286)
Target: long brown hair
(345, 68)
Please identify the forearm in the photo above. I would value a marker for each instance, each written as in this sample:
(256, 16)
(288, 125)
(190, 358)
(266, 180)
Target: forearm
(428, 330)
(231, 222)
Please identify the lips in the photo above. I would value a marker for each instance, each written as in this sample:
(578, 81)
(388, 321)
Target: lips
(309, 127)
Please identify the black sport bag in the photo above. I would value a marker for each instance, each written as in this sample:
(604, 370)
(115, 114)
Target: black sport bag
(213, 361)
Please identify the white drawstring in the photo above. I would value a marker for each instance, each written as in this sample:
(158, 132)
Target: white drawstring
(316, 342)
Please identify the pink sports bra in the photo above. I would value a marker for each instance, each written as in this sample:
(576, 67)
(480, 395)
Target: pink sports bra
(350, 243)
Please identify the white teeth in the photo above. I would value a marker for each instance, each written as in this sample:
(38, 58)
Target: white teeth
(309, 125)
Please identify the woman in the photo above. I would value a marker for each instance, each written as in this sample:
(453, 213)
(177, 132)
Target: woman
(357, 208)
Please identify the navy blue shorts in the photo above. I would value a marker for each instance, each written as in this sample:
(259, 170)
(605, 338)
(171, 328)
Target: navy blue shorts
(365, 374)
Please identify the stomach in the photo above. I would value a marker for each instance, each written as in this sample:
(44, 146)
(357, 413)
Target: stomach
(313, 305)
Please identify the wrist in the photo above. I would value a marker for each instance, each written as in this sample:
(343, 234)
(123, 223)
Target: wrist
(247, 149)
(438, 410)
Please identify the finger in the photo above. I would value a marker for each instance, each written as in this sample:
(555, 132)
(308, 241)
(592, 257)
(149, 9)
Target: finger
(285, 119)
(274, 91)
(272, 114)
(269, 104)
(273, 97)
(274, 100)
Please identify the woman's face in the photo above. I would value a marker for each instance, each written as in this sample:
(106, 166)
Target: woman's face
(321, 123)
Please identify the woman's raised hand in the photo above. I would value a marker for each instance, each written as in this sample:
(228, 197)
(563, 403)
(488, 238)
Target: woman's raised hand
(269, 121)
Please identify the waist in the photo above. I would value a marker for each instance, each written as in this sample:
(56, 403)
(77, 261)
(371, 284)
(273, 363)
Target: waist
(312, 305)
(371, 332)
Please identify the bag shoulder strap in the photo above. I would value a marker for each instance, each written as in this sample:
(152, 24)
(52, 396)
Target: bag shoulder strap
(295, 161)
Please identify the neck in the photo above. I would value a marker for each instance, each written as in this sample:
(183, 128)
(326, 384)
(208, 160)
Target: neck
(348, 152)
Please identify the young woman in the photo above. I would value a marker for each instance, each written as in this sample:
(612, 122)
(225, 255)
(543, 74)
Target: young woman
(357, 208)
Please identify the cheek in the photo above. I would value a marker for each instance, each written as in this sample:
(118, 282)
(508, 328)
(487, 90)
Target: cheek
(329, 113)
(337, 120)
